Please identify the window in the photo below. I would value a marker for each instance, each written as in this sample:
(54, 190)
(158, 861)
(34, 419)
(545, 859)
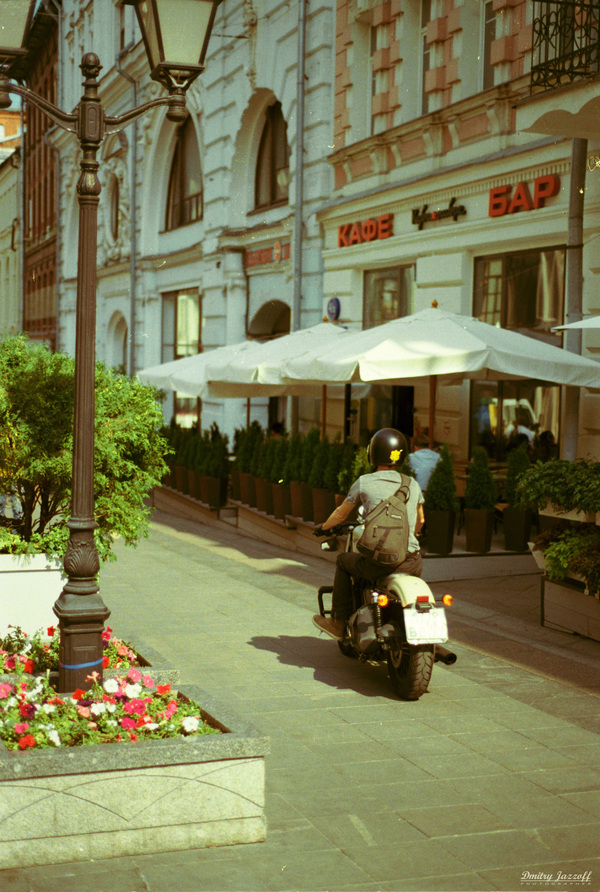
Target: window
(387, 294)
(182, 336)
(184, 198)
(425, 53)
(114, 197)
(272, 165)
(523, 292)
(488, 36)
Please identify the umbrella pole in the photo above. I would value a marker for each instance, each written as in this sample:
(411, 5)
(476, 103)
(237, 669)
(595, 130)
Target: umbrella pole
(323, 410)
(432, 398)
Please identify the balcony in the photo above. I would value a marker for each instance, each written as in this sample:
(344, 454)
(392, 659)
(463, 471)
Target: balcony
(566, 43)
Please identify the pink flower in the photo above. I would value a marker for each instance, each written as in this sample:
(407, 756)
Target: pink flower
(20, 729)
(134, 675)
(122, 650)
(84, 712)
(93, 676)
(5, 690)
(148, 681)
(128, 724)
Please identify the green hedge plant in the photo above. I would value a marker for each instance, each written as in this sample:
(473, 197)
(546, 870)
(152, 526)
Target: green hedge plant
(481, 491)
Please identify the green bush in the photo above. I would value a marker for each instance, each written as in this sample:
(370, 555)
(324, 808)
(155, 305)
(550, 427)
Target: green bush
(292, 469)
(440, 494)
(36, 444)
(332, 468)
(569, 486)
(280, 451)
(216, 453)
(344, 480)
(481, 491)
(517, 464)
(316, 478)
(309, 444)
(245, 442)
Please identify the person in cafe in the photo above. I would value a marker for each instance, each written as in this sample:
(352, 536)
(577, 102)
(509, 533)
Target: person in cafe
(387, 450)
(423, 459)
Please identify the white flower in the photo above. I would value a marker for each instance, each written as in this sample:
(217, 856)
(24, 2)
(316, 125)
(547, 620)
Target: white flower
(98, 708)
(48, 708)
(111, 685)
(132, 690)
(190, 724)
(110, 707)
(53, 737)
(112, 723)
(151, 726)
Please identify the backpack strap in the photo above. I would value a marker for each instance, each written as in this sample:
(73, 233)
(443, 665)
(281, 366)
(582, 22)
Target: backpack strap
(404, 488)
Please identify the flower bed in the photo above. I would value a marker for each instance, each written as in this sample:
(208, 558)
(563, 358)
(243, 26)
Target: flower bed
(109, 798)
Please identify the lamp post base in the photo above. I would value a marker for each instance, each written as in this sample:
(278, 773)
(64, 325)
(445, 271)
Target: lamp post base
(81, 621)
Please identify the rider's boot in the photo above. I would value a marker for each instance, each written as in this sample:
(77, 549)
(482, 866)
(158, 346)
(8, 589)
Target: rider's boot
(332, 627)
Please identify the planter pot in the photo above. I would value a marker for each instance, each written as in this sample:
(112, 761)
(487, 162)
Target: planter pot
(296, 498)
(111, 800)
(194, 485)
(323, 504)
(538, 555)
(236, 492)
(247, 489)
(339, 499)
(29, 587)
(169, 478)
(181, 479)
(566, 606)
(517, 528)
(214, 491)
(282, 500)
(307, 503)
(440, 531)
(264, 495)
(551, 510)
(479, 525)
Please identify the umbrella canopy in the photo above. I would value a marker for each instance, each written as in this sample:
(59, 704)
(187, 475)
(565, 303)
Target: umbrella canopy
(436, 342)
(256, 371)
(188, 375)
(589, 322)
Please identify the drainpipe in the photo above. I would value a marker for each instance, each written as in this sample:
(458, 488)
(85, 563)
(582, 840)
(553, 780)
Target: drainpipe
(299, 202)
(132, 212)
(574, 287)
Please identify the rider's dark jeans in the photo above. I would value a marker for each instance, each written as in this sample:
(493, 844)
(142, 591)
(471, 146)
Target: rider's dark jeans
(350, 563)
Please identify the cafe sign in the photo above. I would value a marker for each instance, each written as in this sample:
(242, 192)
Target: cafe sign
(504, 201)
(370, 230)
(420, 216)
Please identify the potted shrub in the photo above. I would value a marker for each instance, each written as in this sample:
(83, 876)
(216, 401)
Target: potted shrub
(309, 445)
(293, 474)
(516, 520)
(249, 441)
(282, 504)
(261, 466)
(441, 505)
(215, 468)
(344, 477)
(332, 468)
(480, 501)
(323, 499)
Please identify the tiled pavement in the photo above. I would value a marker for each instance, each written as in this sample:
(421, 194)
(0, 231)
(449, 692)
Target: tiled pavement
(490, 780)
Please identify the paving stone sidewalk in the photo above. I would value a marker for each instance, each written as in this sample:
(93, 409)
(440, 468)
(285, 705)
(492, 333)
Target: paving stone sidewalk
(490, 781)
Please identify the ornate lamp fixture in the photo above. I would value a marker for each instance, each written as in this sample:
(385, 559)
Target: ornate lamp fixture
(172, 30)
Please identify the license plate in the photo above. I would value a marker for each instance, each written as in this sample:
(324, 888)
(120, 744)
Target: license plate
(426, 627)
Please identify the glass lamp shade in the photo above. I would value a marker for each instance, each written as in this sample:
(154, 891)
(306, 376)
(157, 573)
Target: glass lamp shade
(15, 18)
(176, 35)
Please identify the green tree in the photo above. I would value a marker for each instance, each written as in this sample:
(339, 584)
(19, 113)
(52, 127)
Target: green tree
(481, 491)
(36, 445)
(316, 478)
(309, 444)
(517, 463)
(441, 489)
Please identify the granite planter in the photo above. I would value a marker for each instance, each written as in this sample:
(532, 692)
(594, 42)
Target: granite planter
(566, 606)
(29, 587)
(110, 800)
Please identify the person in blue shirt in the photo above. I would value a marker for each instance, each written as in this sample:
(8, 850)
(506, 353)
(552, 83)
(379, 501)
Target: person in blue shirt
(423, 460)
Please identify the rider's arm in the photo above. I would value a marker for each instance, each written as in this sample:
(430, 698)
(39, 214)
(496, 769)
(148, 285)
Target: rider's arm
(339, 515)
(420, 518)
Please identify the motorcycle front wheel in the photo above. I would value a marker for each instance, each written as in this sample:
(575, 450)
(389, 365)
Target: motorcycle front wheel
(410, 667)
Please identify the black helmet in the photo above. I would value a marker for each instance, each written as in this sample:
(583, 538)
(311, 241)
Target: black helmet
(387, 447)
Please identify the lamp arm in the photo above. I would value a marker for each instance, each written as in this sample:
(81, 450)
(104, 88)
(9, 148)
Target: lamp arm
(114, 124)
(63, 119)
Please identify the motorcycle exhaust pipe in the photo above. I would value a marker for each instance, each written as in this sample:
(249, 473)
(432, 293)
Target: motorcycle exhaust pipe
(443, 655)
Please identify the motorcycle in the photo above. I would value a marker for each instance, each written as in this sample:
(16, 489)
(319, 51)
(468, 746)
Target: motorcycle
(397, 619)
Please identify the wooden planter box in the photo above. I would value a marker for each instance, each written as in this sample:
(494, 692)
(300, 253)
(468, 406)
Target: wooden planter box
(282, 501)
(565, 605)
(479, 525)
(236, 492)
(264, 495)
(516, 523)
(301, 498)
(110, 800)
(181, 480)
(440, 531)
(213, 491)
(29, 588)
(247, 489)
(323, 504)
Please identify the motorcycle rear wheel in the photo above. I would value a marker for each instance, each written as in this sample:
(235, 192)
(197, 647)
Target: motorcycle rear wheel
(410, 667)
(347, 649)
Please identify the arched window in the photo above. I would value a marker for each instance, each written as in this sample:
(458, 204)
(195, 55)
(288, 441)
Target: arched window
(184, 200)
(272, 165)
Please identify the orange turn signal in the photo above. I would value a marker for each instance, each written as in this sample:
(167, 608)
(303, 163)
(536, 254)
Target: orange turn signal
(383, 600)
(447, 600)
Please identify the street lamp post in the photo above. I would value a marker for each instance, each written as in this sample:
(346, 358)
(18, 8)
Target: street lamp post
(171, 33)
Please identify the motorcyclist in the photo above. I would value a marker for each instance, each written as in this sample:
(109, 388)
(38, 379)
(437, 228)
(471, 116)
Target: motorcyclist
(387, 450)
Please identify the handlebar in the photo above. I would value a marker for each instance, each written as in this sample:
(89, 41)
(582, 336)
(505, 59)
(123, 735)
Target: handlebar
(337, 530)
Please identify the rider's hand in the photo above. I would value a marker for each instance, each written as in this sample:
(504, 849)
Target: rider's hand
(319, 531)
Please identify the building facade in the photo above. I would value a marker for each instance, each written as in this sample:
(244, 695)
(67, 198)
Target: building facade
(10, 243)
(441, 199)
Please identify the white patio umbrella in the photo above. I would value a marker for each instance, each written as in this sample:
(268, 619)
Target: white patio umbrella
(588, 322)
(187, 375)
(437, 344)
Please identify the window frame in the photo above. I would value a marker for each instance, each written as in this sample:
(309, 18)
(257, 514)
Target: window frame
(274, 127)
(177, 201)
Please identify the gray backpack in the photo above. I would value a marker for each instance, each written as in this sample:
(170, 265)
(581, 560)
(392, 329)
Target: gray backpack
(385, 535)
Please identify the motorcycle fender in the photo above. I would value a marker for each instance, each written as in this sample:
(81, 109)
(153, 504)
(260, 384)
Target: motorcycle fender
(407, 588)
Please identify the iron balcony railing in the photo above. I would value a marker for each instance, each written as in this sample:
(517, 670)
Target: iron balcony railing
(566, 42)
